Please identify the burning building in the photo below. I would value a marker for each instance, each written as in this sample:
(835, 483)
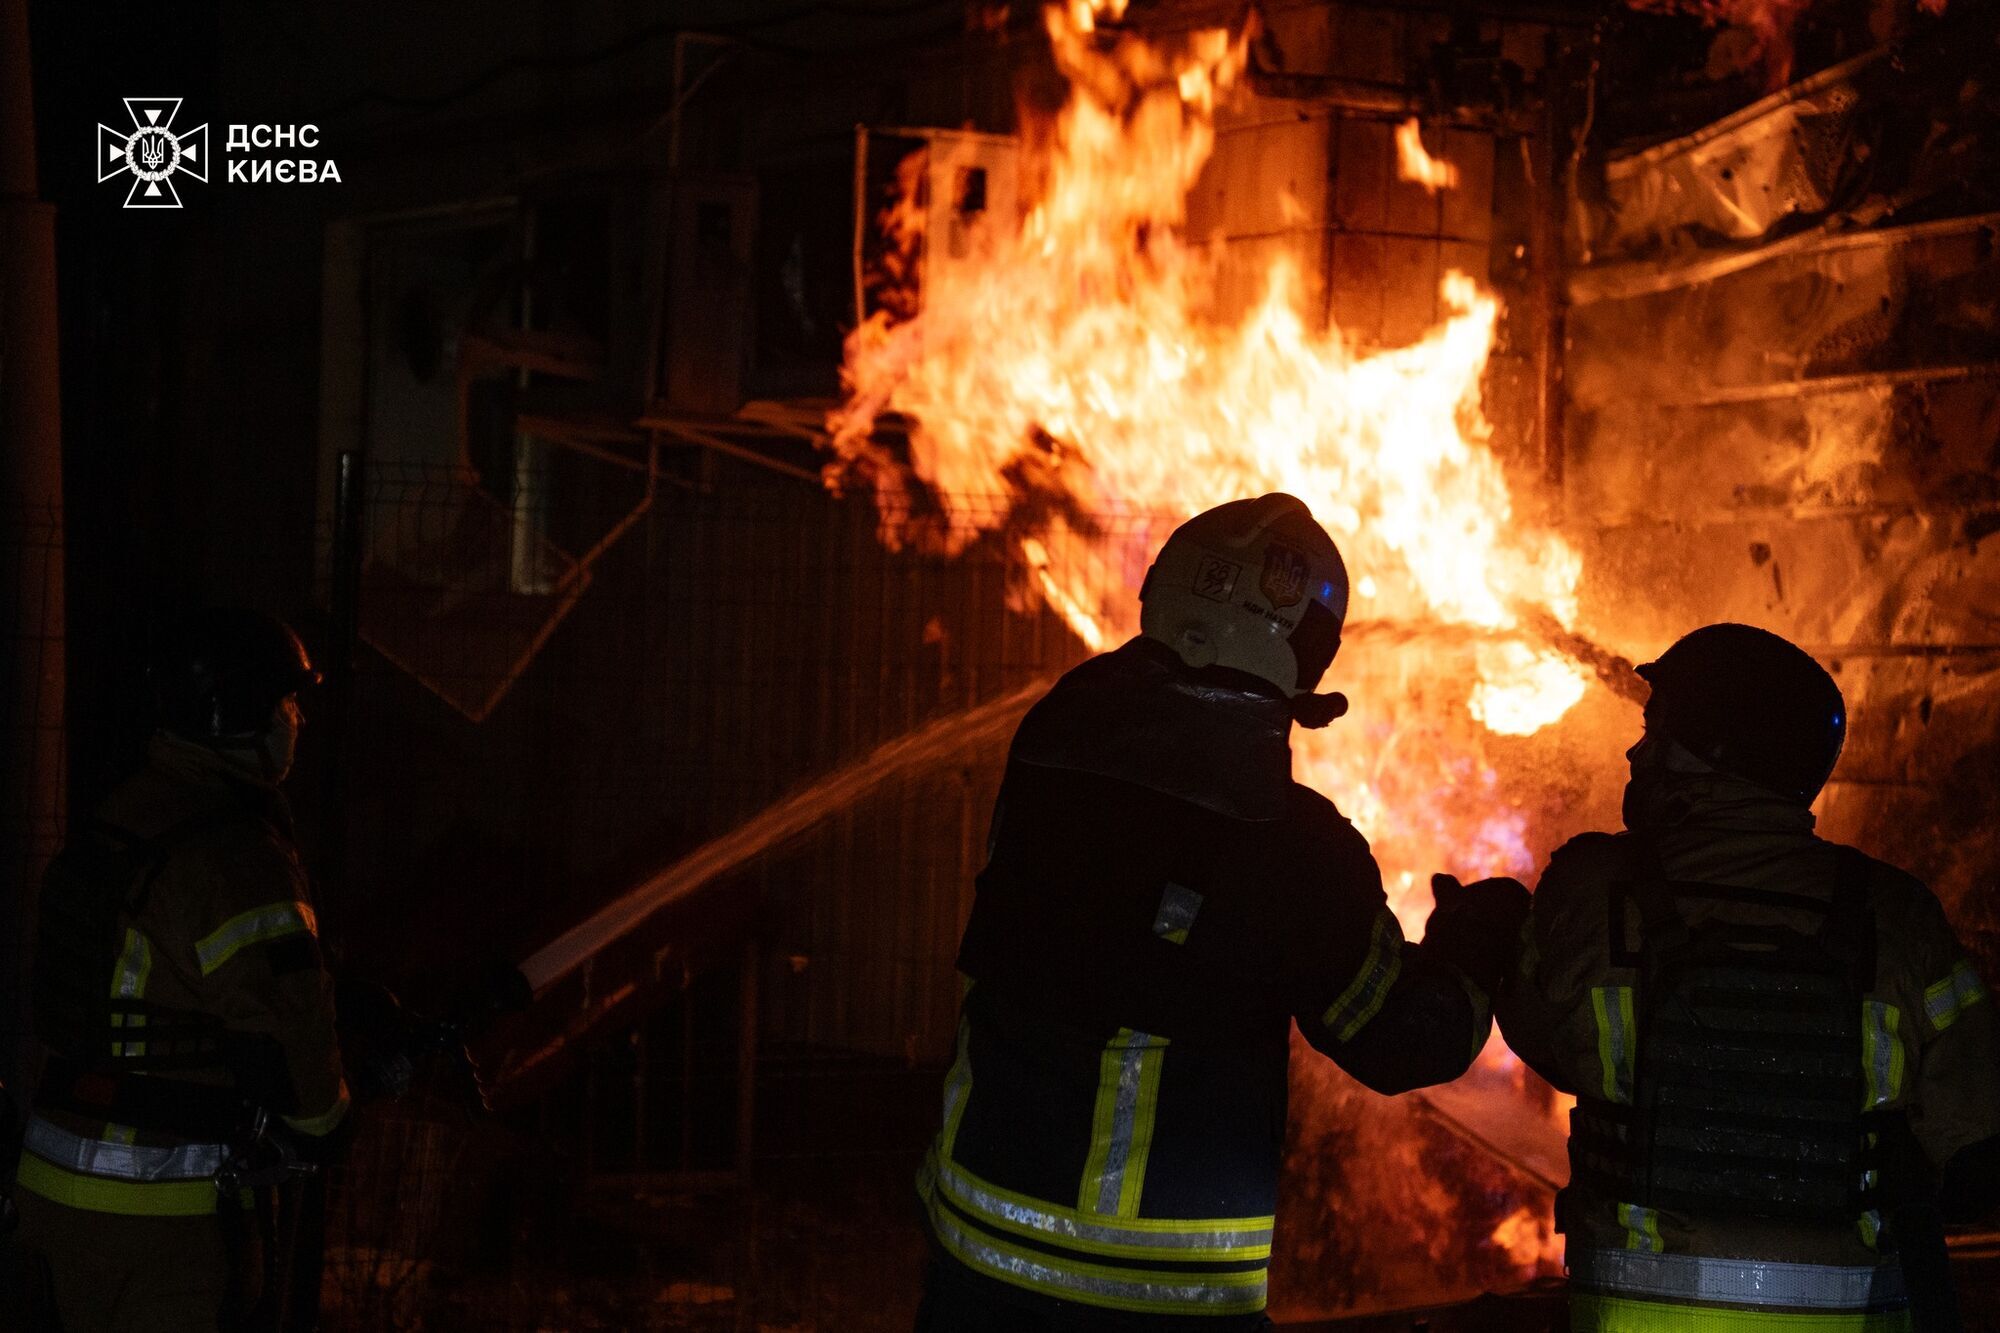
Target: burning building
(727, 425)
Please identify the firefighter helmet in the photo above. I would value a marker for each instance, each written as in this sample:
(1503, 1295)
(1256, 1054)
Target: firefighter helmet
(220, 673)
(1749, 703)
(1256, 585)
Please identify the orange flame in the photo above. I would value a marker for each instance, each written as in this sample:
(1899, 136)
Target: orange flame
(1069, 384)
(1413, 163)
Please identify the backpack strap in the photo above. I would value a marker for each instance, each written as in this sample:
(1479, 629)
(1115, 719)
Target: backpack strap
(1646, 890)
(1849, 930)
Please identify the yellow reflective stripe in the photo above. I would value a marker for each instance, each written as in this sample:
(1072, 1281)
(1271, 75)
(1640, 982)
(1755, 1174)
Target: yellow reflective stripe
(326, 1121)
(1121, 1124)
(1140, 1290)
(129, 976)
(272, 921)
(1971, 990)
(1870, 1226)
(957, 1088)
(1882, 1054)
(166, 1198)
(1372, 983)
(134, 967)
(1141, 1149)
(1590, 1313)
(1951, 995)
(1941, 1003)
(1642, 1227)
(1611, 1006)
(1192, 1239)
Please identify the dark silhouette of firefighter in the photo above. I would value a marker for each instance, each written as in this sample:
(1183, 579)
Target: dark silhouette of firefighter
(182, 1001)
(1776, 1042)
(1161, 901)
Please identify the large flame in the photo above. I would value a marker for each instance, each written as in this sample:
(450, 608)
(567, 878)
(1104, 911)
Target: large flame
(1070, 384)
(1074, 365)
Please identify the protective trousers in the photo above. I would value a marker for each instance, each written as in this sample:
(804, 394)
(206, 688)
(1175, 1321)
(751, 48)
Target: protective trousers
(117, 1273)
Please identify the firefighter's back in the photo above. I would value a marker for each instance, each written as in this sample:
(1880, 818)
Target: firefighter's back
(1115, 1115)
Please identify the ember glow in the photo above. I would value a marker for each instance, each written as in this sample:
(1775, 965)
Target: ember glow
(1075, 366)
(1413, 163)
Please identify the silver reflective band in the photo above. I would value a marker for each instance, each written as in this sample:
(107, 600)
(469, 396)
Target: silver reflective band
(1882, 1049)
(1239, 1292)
(121, 1161)
(270, 922)
(1178, 905)
(968, 1194)
(1690, 1277)
(1124, 1119)
(128, 981)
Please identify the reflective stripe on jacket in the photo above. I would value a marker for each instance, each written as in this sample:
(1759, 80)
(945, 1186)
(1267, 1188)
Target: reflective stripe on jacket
(1629, 1291)
(115, 1175)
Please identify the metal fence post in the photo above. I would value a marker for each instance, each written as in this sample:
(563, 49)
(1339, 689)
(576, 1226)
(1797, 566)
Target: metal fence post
(350, 501)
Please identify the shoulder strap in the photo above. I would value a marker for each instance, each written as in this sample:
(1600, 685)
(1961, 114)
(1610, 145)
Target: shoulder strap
(1660, 924)
(1849, 930)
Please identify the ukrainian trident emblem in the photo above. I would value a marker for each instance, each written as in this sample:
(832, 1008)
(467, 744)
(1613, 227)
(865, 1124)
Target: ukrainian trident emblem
(153, 152)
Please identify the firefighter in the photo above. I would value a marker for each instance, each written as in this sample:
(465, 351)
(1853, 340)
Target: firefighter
(178, 989)
(1775, 1041)
(1160, 902)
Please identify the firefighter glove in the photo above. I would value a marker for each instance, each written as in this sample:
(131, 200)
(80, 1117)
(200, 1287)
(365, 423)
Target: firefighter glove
(1477, 927)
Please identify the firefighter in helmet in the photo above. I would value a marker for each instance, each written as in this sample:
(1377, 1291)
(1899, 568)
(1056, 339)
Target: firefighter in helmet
(1160, 903)
(1775, 1041)
(178, 989)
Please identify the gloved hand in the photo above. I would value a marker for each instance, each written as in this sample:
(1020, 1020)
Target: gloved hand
(375, 1039)
(1477, 927)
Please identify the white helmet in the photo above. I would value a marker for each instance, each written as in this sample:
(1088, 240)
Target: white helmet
(1256, 585)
